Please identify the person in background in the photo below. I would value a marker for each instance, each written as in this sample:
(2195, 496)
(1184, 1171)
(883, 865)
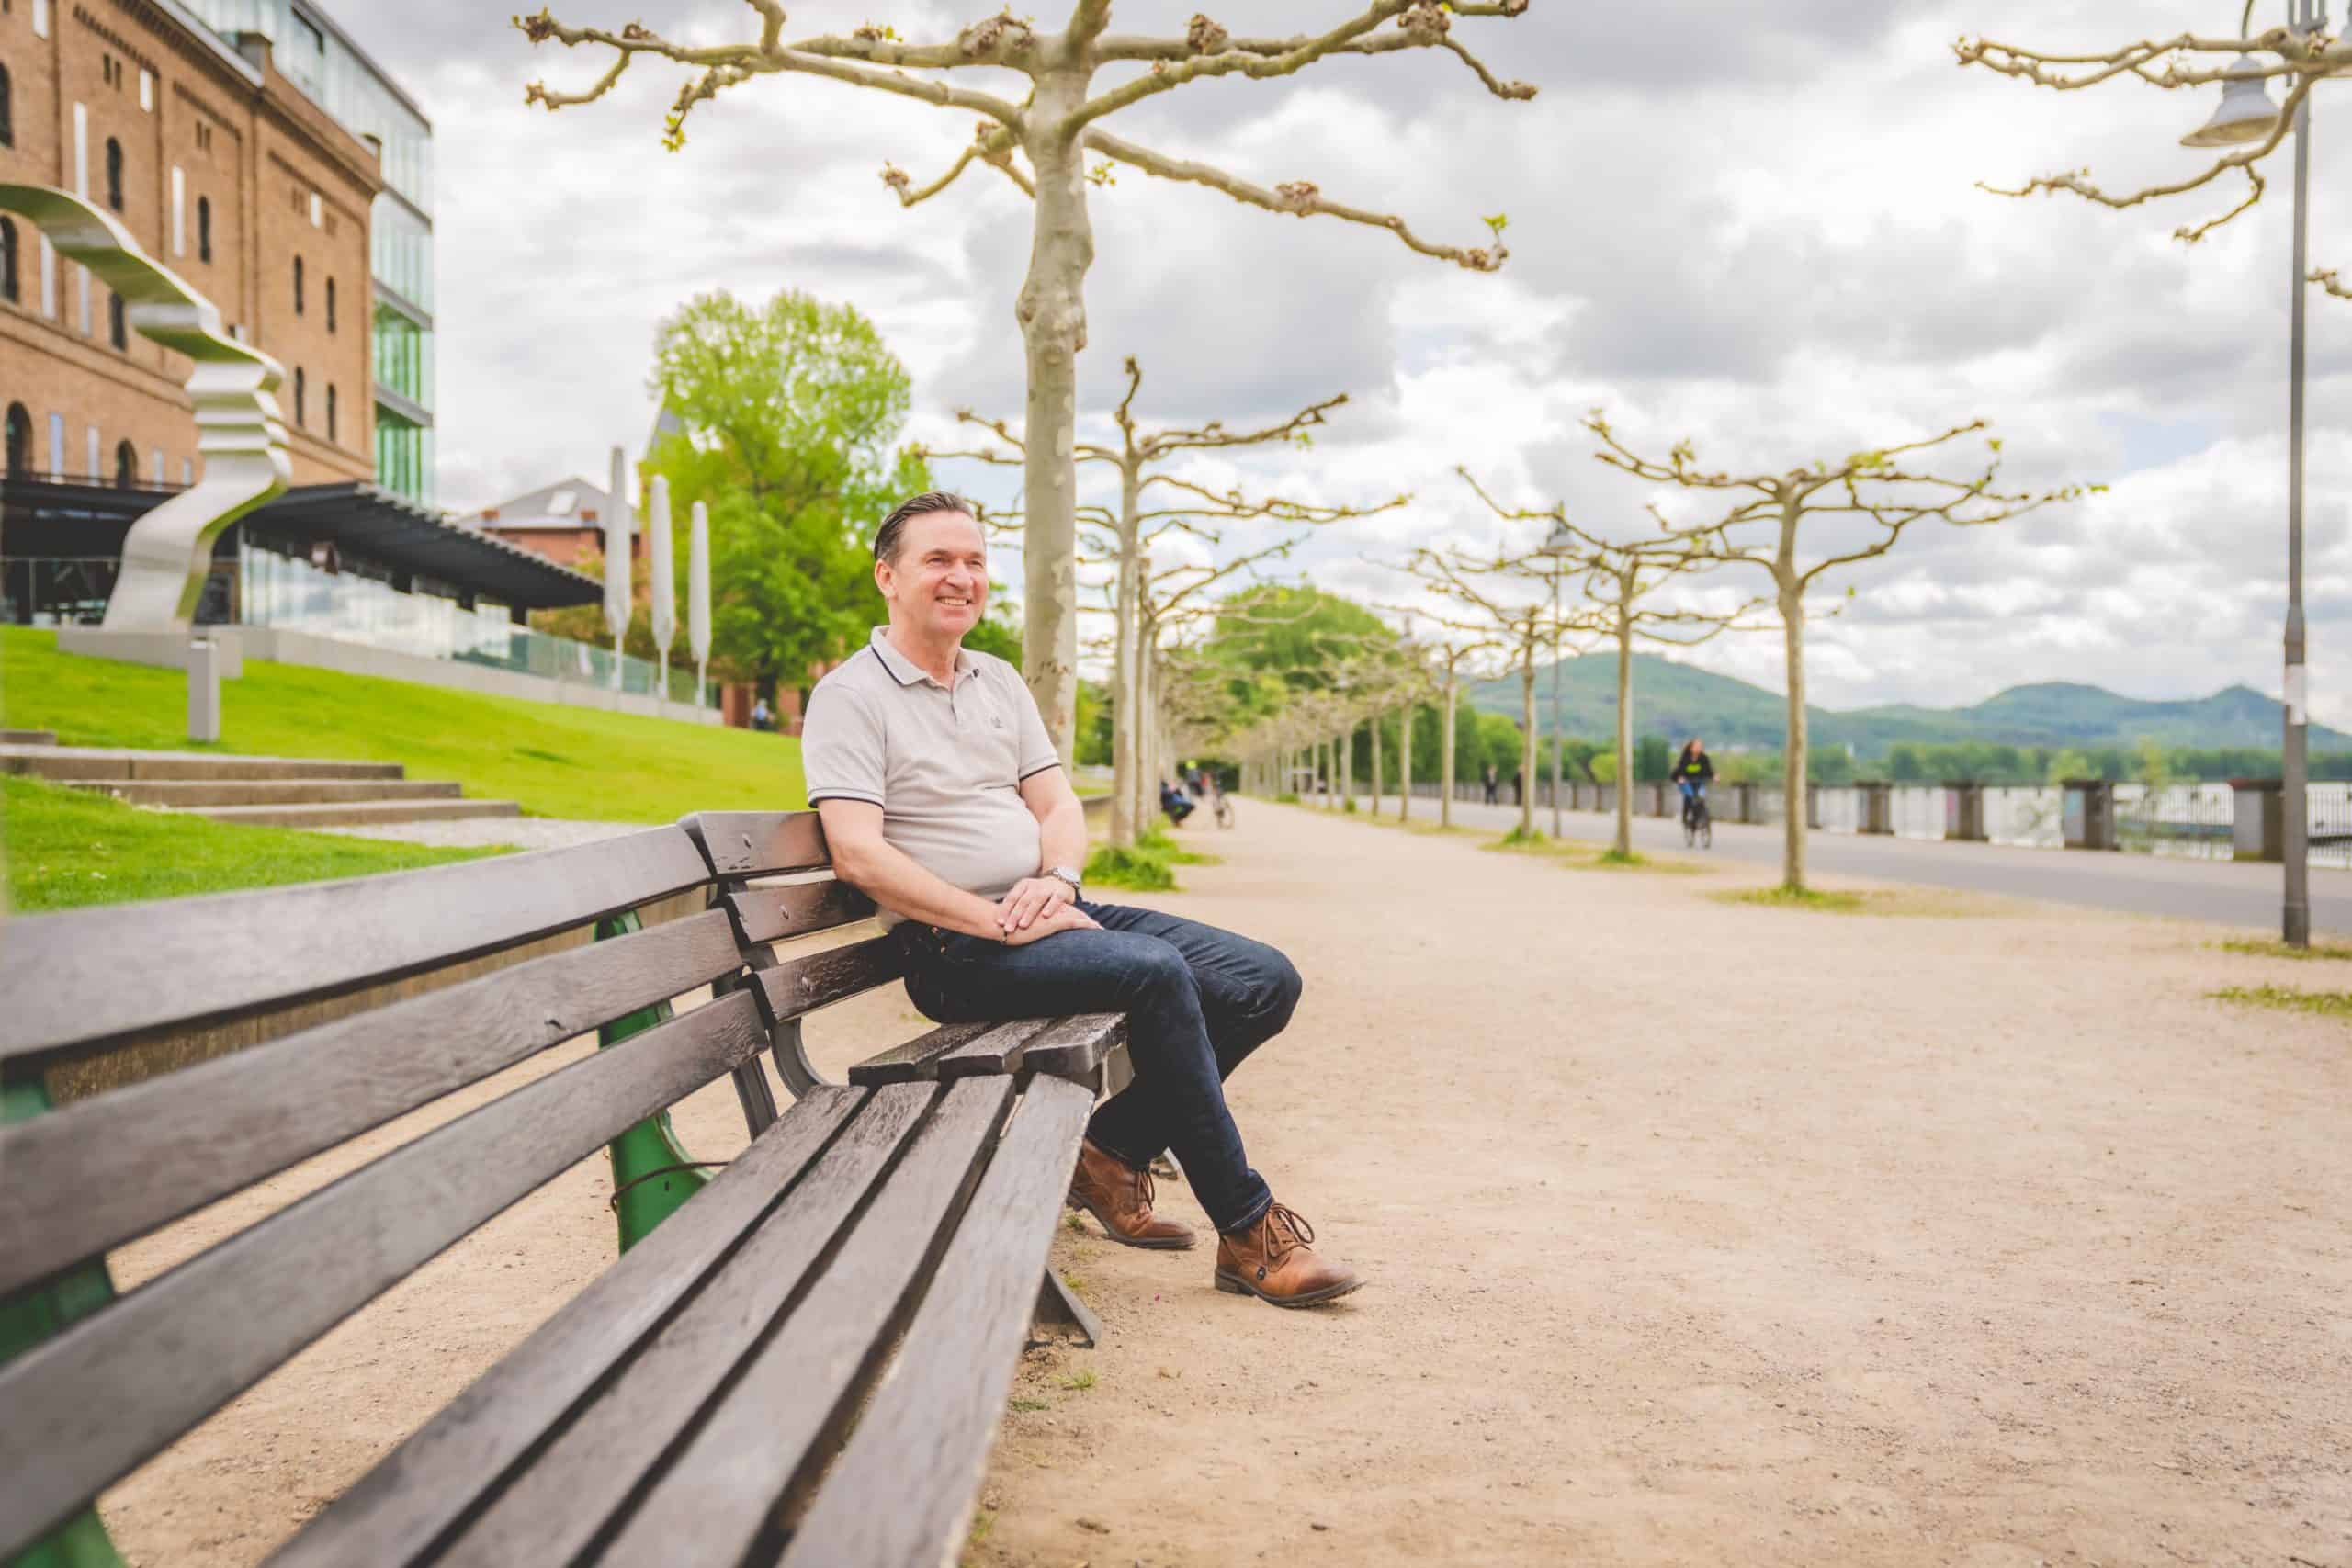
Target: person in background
(762, 716)
(1493, 785)
(1172, 801)
(1694, 771)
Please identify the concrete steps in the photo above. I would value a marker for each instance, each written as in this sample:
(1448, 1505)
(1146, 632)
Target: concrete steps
(275, 792)
(72, 762)
(357, 813)
(188, 793)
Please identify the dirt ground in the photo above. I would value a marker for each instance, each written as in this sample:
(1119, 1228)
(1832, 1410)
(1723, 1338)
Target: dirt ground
(1696, 1231)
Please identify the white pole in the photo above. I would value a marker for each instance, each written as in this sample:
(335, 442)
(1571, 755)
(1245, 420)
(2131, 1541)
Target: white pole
(616, 584)
(698, 595)
(665, 599)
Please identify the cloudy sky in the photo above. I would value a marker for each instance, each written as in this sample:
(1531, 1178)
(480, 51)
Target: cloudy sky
(1753, 226)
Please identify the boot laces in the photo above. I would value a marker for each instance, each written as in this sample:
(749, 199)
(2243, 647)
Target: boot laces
(1281, 1219)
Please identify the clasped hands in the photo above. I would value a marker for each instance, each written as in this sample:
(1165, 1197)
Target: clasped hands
(1038, 906)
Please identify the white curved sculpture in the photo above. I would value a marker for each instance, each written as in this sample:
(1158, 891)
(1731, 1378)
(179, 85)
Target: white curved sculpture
(239, 427)
(616, 583)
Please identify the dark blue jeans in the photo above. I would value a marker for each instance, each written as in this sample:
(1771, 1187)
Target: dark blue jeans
(1198, 1001)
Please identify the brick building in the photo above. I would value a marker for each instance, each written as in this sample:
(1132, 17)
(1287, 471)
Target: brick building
(231, 175)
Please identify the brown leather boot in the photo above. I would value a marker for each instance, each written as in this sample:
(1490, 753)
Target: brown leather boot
(1273, 1261)
(1119, 1196)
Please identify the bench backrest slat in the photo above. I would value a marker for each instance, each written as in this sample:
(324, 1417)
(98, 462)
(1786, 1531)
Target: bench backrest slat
(115, 1387)
(195, 960)
(771, 914)
(803, 985)
(760, 843)
(111, 1168)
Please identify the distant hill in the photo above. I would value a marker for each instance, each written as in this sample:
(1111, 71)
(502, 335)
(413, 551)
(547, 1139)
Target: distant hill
(1679, 700)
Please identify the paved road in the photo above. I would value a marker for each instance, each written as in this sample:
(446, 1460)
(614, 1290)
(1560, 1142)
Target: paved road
(2218, 891)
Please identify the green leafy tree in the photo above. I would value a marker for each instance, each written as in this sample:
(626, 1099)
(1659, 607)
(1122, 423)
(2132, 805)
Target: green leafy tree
(790, 414)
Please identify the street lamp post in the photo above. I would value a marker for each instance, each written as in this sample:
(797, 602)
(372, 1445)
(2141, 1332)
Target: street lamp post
(2245, 115)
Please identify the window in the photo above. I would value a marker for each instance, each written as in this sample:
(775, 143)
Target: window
(146, 89)
(318, 210)
(126, 465)
(330, 304)
(41, 18)
(157, 458)
(302, 396)
(57, 443)
(114, 174)
(91, 452)
(188, 470)
(204, 228)
(203, 137)
(330, 411)
(298, 285)
(20, 439)
(117, 322)
(9, 288)
(7, 112)
(179, 210)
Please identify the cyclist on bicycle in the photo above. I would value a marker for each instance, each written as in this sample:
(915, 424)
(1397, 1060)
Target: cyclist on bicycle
(1694, 771)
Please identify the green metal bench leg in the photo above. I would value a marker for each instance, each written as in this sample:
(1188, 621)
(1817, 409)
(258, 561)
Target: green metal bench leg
(652, 1174)
(36, 1314)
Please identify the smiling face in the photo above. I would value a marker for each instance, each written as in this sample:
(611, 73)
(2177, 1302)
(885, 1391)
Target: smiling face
(937, 581)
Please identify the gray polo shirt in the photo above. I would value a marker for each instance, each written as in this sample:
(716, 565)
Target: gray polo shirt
(944, 763)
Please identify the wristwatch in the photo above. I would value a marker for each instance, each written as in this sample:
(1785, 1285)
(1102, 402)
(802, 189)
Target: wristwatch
(1067, 873)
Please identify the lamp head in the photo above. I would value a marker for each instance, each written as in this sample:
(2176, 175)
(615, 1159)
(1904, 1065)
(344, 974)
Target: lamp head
(2246, 113)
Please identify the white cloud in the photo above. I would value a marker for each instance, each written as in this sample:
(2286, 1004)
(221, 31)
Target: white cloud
(1754, 226)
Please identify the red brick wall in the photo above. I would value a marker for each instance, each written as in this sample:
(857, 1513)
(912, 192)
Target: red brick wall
(268, 149)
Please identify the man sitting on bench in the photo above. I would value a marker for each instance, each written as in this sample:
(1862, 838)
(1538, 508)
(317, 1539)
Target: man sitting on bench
(944, 801)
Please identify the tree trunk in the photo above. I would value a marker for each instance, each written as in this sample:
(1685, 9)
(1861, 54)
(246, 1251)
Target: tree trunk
(1051, 310)
(1527, 743)
(1375, 761)
(1346, 769)
(1125, 710)
(1625, 731)
(1404, 767)
(1792, 630)
(1445, 759)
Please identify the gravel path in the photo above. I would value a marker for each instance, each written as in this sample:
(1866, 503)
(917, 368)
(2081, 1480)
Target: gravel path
(1697, 1233)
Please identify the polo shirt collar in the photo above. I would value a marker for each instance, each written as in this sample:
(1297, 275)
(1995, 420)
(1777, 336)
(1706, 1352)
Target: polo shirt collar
(905, 670)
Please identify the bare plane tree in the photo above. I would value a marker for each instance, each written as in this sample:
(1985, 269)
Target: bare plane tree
(1619, 579)
(2300, 58)
(1148, 501)
(1483, 589)
(1884, 490)
(1040, 143)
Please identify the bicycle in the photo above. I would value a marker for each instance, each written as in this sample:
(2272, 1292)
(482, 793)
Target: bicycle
(1697, 822)
(1224, 809)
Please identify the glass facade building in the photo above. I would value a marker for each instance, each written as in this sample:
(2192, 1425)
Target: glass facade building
(310, 52)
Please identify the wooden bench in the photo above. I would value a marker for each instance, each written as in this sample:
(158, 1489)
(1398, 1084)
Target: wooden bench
(804, 1363)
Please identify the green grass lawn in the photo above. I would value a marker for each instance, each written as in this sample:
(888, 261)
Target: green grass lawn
(70, 848)
(555, 762)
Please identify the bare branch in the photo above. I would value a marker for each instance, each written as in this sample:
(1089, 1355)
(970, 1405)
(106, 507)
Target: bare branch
(1300, 198)
(2325, 277)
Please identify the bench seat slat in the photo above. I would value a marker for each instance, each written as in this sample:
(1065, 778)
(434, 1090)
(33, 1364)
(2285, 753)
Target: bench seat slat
(395, 1512)
(771, 914)
(998, 1051)
(1076, 1045)
(718, 1497)
(917, 1061)
(203, 958)
(556, 1506)
(117, 1386)
(803, 985)
(112, 1168)
(759, 843)
(935, 1416)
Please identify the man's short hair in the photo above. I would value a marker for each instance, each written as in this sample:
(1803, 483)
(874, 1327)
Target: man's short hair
(885, 538)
